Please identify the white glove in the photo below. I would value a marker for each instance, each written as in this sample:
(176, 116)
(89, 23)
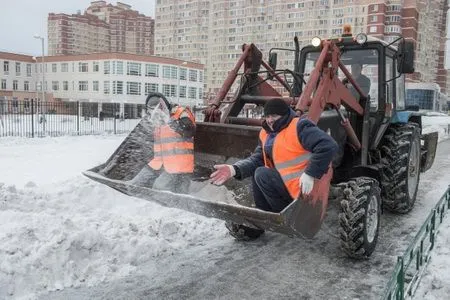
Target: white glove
(222, 174)
(307, 183)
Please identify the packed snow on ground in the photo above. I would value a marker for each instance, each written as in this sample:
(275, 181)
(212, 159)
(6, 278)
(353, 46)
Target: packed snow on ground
(61, 230)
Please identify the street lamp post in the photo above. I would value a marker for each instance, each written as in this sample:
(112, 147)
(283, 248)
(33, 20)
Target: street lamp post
(43, 67)
(179, 74)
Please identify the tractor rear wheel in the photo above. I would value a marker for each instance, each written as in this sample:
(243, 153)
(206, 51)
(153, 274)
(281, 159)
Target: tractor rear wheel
(400, 149)
(359, 218)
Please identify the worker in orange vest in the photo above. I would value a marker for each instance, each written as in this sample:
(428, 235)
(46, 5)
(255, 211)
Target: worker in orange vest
(292, 155)
(173, 161)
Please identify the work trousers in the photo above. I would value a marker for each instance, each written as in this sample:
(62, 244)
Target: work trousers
(269, 191)
(161, 180)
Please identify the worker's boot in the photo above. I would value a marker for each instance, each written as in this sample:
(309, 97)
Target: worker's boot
(243, 233)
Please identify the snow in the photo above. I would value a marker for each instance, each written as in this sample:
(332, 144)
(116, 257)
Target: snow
(65, 236)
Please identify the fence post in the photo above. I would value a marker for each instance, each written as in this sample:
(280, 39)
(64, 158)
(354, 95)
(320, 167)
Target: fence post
(114, 117)
(32, 118)
(78, 117)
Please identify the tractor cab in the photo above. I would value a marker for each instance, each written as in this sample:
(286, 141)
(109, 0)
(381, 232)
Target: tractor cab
(376, 66)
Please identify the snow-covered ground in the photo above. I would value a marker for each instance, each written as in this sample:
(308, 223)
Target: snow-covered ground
(64, 236)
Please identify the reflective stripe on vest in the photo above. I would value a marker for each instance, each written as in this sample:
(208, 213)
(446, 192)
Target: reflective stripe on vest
(171, 150)
(289, 156)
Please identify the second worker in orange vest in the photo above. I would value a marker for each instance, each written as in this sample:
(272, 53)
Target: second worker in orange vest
(173, 157)
(291, 154)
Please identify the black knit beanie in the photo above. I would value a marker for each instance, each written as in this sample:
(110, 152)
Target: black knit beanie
(276, 106)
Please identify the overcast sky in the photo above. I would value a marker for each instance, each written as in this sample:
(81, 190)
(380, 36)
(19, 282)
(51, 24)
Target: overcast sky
(21, 19)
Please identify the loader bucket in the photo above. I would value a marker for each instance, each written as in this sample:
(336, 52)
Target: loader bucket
(301, 218)
(215, 143)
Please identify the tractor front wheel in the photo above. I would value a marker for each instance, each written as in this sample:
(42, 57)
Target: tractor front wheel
(359, 218)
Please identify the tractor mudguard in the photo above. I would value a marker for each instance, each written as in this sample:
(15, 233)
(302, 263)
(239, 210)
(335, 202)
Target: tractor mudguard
(428, 150)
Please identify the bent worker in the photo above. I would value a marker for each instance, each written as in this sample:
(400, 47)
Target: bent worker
(291, 154)
(173, 159)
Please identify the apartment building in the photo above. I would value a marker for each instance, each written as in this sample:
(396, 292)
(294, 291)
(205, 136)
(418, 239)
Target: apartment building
(443, 76)
(179, 29)
(101, 77)
(102, 28)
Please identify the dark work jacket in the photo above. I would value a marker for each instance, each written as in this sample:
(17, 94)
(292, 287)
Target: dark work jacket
(312, 138)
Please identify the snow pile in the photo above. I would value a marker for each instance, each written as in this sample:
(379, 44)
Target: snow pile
(60, 229)
(83, 233)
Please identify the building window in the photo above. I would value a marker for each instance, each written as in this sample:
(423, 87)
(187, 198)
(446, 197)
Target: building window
(3, 84)
(6, 67)
(200, 76)
(375, 7)
(200, 93)
(150, 87)
(82, 85)
(64, 67)
(169, 90)
(192, 75)
(96, 68)
(183, 74)
(151, 70)
(26, 85)
(54, 70)
(373, 18)
(15, 85)
(55, 85)
(95, 85)
(28, 70)
(119, 67)
(169, 72)
(192, 93)
(65, 85)
(106, 87)
(373, 29)
(17, 68)
(82, 67)
(133, 69)
(133, 88)
(182, 91)
(393, 8)
(118, 87)
(106, 70)
(390, 19)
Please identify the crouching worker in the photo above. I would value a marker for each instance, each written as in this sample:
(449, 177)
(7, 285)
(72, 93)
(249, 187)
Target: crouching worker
(172, 164)
(291, 154)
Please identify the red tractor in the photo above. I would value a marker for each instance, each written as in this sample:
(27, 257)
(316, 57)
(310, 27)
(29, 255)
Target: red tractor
(382, 149)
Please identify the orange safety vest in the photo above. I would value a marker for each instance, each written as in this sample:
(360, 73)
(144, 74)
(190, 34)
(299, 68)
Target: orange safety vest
(171, 150)
(288, 155)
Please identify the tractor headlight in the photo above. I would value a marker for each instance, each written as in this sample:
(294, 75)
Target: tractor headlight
(361, 38)
(316, 41)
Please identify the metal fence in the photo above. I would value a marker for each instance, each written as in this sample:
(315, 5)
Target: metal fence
(411, 265)
(38, 119)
